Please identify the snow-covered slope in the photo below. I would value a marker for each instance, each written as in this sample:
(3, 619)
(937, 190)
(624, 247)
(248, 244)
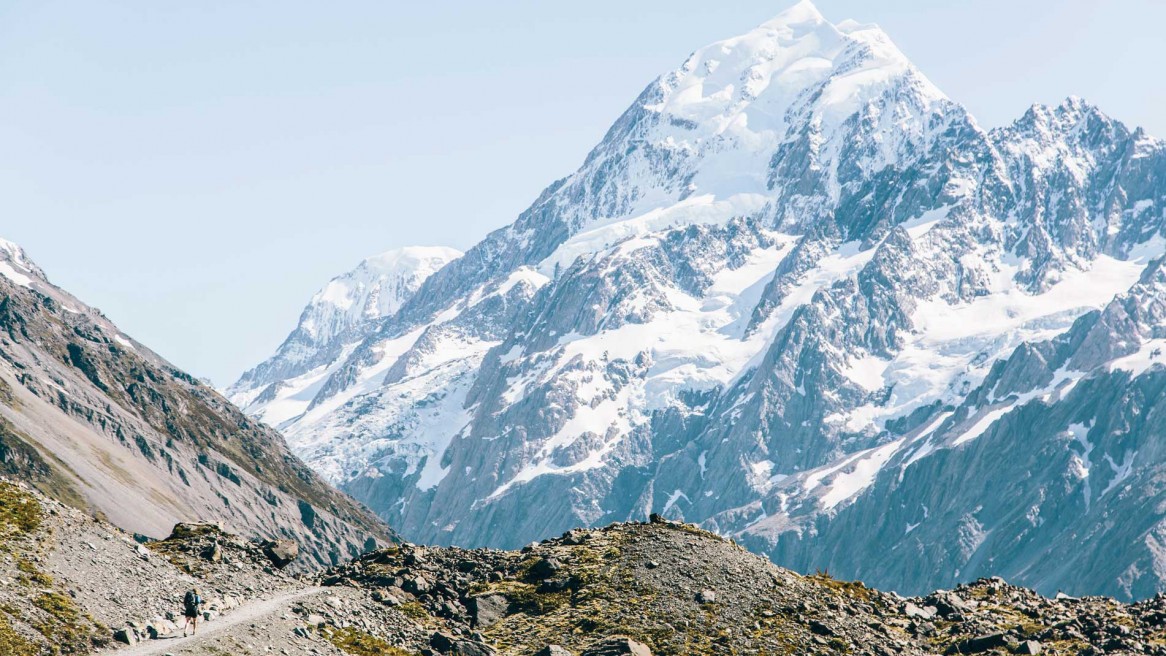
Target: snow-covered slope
(783, 278)
(337, 318)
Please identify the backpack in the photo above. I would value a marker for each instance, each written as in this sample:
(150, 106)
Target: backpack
(191, 601)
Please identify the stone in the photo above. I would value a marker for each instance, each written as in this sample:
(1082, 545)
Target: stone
(471, 648)
(418, 585)
(486, 610)
(1029, 647)
(706, 596)
(442, 642)
(127, 636)
(924, 613)
(820, 628)
(281, 553)
(977, 644)
(553, 650)
(315, 620)
(545, 568)
(617, 645)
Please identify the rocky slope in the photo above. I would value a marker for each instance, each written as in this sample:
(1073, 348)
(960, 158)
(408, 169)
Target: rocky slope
(97, 420)
(800, 297)
(74, 585)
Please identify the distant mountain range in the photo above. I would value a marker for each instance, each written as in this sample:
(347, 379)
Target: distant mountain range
(796, 295)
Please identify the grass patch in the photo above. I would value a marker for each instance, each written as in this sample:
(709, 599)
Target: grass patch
(852, 589)
(414, 611)
(358, 643)
(32, 575)
(65, 626)
(14, 644)
(20, 513)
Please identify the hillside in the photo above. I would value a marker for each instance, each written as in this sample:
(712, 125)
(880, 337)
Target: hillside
(97, 420)
(658, 588)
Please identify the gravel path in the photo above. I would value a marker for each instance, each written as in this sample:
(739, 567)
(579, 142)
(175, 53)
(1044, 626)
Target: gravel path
(246, 613)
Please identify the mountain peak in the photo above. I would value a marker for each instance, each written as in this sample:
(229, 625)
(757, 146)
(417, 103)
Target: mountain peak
(379, 284)
(803, 12)
(429, 258)
(752, 80)
(16, 266)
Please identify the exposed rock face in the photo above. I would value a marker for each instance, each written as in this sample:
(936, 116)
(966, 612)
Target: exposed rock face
(99, 421)
(800, 297)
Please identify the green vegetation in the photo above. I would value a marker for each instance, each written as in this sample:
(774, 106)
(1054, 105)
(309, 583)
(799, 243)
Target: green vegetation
(414, 610)
(14, 644)
(32, 574)
(68, 629)
(20, 513)
(358, 643)
(851, 589)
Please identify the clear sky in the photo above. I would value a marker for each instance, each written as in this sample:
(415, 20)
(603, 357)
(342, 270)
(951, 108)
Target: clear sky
(197, 169)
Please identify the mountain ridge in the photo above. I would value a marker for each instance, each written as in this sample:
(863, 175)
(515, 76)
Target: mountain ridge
(97, 420)
(782, 277)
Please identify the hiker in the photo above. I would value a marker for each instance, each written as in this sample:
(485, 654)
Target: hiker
(191, 607)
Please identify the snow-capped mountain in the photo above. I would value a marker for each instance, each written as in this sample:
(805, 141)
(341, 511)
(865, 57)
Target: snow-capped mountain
(338, 317)
(799, 296)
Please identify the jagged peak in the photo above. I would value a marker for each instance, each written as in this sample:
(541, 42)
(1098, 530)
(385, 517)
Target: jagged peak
(770, 68)
(412, 257)
(801, 13)
(16, 265)
(408, 262)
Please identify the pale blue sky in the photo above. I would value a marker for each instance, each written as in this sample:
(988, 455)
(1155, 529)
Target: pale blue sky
(198, 169)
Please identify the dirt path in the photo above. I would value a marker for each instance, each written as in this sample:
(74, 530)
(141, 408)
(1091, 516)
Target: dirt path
(246, 613)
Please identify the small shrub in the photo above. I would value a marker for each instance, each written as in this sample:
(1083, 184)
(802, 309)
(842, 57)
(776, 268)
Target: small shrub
(357, 642)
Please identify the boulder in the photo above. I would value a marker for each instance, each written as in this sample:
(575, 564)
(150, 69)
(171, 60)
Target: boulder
(471, 648)
(281, 552)
(553, 650)
(213, 553)
(545, 568)
(418, 585)
(127, 636)
(1029, 647)
(616, 646)
(706, 596)
(978, 644)
(441, 642)
(949, 604)
(488, 609)
(924, 613)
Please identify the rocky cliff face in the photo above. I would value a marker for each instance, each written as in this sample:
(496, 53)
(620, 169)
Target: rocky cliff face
(99, 421)
(799, 296)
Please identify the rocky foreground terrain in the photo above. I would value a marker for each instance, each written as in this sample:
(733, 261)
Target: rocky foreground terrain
(72, 584)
